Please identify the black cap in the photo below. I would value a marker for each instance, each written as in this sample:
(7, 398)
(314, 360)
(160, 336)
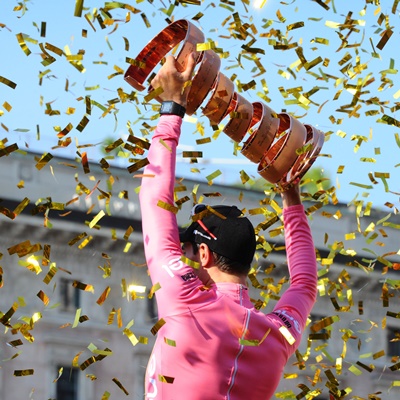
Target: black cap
(225, 231)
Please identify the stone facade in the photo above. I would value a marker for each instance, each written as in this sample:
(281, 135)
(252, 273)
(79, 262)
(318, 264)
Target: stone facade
(53, 318)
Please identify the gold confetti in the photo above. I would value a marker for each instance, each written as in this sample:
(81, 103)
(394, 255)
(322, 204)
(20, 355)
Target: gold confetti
(119, 384)
(136, 63)
(131, 336)
(168, 207)
(97, 218)
(24, 248)
(78, 8)
(296, 25)
(166, 379)
(43, 161)
(153, 94)
(138, 165)
(42, 296)
(205, 46)
(87, 363)
(128, 233)
(103, 296)
(8, 213)
(7, 106)
(189, 262)
(192, 154)
(7, 82)
(77, 317)
(8, 150)
(385, 38)
(322, 4)
(82, 124)
(7, 316)
(170, 342)
(287, 335)
(23, 372)
(157, 326)
(214, 175)
(83, 286)
(21, 40)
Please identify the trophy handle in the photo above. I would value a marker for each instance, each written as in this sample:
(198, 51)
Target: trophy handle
(160, 46)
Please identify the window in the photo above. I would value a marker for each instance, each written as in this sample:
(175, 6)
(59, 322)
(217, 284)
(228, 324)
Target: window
(70, 296)
(67, 383)
(393, 342)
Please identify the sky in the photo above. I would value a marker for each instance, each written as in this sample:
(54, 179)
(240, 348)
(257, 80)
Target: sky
(351, 91)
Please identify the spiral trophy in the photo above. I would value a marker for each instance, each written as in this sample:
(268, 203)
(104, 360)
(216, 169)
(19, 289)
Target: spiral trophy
(281, 145)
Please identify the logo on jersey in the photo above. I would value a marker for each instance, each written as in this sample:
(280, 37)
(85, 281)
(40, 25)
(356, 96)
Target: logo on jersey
(288, 320)
(188, 276)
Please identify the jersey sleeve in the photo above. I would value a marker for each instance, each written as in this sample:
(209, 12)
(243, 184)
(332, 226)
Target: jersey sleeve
(174, 281)
(296, 303)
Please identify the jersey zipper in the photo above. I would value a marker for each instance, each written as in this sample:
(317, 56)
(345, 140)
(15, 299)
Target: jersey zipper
(228, 395)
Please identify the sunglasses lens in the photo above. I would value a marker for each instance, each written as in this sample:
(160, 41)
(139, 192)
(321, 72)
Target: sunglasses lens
(198, 208)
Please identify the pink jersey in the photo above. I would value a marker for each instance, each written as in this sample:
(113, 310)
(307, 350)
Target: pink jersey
(214, 344)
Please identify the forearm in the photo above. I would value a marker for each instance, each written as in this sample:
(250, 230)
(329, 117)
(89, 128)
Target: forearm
(159, 174)
(301, 295)
(159, 225)
(158, 183)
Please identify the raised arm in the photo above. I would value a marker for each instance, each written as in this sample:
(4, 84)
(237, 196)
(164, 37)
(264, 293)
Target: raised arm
(160, 230)
(300, 297)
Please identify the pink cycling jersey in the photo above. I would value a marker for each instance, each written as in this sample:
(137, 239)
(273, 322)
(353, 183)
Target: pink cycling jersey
(213, 344)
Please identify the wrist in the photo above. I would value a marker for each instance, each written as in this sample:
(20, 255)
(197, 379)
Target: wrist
(291, 197)
(172, 108)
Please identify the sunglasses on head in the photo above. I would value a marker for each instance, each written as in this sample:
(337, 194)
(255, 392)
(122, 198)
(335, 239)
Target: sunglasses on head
(198, 208)
(201, 210)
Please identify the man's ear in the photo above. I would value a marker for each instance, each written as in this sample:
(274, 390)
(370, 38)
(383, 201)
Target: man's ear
(206, 258)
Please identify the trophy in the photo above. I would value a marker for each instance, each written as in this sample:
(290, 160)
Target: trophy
(281, 145)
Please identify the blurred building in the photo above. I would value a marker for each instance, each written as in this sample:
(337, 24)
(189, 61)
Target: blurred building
(76, 306)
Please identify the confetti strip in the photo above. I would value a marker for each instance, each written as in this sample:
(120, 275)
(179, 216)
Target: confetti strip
(42, 296)
(138, 165)
(189, 262)
(157, 326)
(214, 175)
(8, 150)
(170, 342)
(192, 154)
(167, 207)
(23, 372)
(166, 379)
(82, 124)
(7, 82)
(83, 286)
(43, 160)
(21, 40)
(131, 336)
(100, 301)
(119, 384)
(97, 218)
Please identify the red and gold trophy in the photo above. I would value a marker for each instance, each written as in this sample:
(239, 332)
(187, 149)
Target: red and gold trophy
(282, 146)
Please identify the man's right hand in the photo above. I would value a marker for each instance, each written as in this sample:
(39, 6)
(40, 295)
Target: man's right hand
(173, 82)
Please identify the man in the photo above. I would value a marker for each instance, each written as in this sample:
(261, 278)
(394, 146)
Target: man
(211, 342)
